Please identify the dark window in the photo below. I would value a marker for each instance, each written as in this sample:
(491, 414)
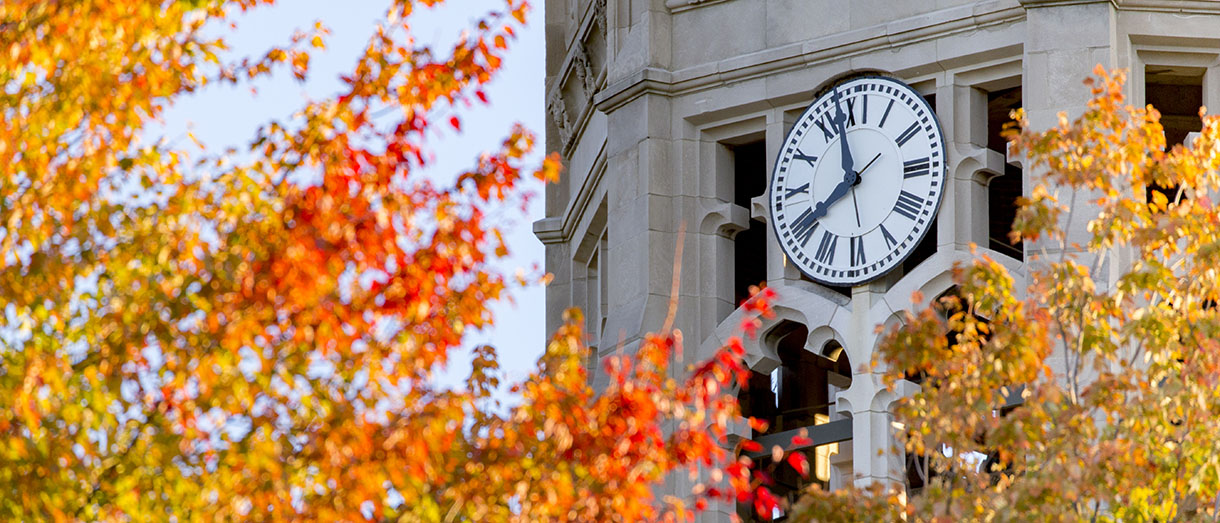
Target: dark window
(793, 396)
(1003, 191)
(749, 246)
(1177, 93)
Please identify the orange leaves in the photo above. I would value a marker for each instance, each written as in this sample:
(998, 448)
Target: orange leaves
(253, 336)
(551, 167)
(607, 449)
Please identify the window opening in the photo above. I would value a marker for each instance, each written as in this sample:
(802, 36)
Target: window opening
(796, 395)
(1003, 191)
(1177, 93)
(749, 246)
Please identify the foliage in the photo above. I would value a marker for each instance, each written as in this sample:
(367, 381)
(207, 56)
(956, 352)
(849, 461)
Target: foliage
(251, 334)
(1113, 346)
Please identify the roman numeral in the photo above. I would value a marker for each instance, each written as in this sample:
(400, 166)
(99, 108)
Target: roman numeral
(908, 134)
(864, 109)
(826, 249)
(851, 112)
(890, 242)
(795, 191)
(828, 129)
(886, 114)
(908, 204)
(857, 250)
(802, 156)
(917, 167)
(803, 226)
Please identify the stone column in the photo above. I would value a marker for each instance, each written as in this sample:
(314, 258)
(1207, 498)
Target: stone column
(876, 455)
(1065, 41)
(964, 213)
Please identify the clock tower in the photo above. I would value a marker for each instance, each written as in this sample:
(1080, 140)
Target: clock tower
(846, 153)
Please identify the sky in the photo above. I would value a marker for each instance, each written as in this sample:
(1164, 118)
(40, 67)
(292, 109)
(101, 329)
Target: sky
(228, 116)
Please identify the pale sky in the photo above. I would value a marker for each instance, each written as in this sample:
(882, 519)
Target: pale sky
(223, 116)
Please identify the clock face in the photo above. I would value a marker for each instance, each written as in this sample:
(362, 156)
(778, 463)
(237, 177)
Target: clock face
(858, 181)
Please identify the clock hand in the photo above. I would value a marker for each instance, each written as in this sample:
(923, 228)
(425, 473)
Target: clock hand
(856, 204)
(839, 191)
(838, 121)
(866, 166)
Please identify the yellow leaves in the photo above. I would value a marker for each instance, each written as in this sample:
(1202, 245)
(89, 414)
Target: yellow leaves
(551, 167)
(300, 64)
(1124, 410)
(1159, 202)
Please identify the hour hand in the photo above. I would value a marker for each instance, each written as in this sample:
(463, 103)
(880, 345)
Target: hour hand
(839, 191)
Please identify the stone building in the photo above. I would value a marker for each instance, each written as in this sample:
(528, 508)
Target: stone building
(671, 114)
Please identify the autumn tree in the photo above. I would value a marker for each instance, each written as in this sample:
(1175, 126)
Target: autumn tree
(1109, 346)
(201, 335)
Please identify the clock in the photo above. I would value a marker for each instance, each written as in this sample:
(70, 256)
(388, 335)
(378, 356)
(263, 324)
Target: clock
(858, 181)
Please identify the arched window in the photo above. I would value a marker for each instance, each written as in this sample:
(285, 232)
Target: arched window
(796, 395)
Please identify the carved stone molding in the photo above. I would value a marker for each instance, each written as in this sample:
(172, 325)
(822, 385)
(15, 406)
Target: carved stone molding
(682, 5)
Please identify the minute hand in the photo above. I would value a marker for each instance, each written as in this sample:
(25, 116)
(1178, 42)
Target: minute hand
(839, 120)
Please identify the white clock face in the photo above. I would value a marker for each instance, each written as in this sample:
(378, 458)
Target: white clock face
(858, 181)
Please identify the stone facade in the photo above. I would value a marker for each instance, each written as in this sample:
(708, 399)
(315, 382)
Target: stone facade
(655, 105)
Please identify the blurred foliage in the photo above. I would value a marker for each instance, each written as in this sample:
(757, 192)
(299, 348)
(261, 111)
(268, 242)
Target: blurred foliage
(204, 336)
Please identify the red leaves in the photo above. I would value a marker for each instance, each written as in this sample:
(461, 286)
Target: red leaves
(765, 503)
(329, 284)
(799, 462)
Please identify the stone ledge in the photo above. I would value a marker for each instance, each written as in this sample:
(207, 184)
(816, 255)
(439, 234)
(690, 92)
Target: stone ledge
(1171, 6)
(559, 229)
(549, 230)
(677, 6)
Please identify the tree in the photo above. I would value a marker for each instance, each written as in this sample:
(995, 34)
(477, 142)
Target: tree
(1112, 347)
(200, 335)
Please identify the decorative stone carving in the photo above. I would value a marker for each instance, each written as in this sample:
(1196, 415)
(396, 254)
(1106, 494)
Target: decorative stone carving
(599, 15)
(559, 114)
(584, 70)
